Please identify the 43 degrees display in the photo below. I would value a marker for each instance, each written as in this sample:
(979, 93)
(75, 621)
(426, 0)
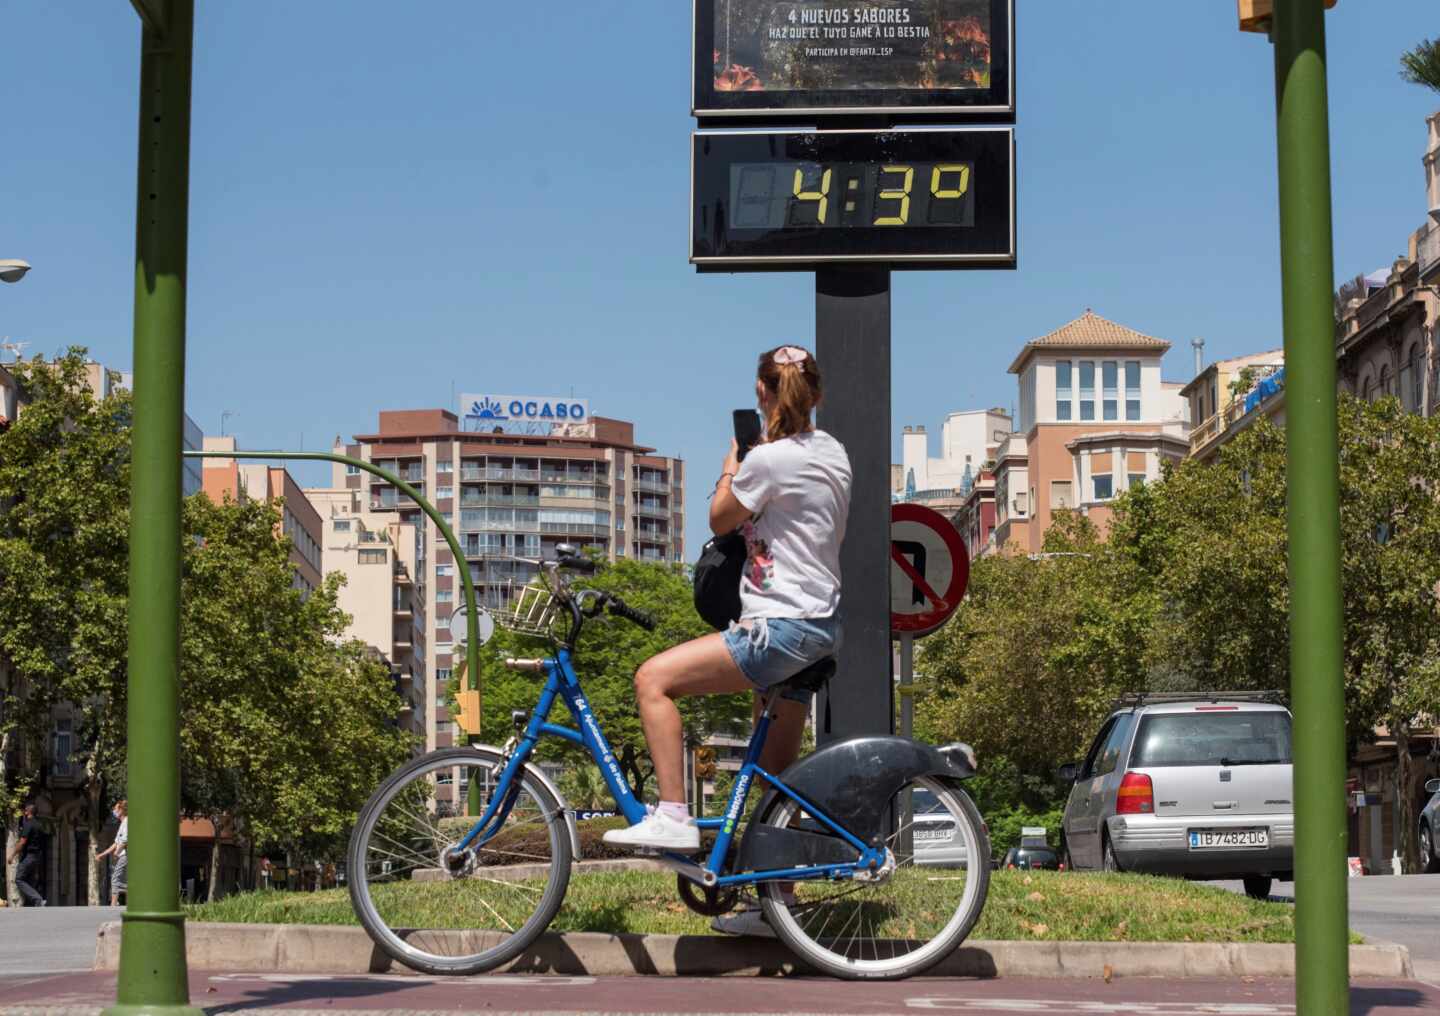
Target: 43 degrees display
(911, 198)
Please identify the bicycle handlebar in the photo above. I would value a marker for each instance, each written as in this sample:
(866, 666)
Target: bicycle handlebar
(615, 605)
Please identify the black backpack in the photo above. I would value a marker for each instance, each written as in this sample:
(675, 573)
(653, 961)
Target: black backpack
(717, 579)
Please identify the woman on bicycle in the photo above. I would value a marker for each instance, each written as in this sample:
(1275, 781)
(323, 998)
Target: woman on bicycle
(791, 496)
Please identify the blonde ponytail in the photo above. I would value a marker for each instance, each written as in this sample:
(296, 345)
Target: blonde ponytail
(792, 379)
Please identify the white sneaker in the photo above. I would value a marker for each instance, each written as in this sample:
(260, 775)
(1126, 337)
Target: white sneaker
(658, 831)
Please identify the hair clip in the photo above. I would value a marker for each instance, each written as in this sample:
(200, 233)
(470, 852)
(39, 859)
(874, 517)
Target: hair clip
(791, 355)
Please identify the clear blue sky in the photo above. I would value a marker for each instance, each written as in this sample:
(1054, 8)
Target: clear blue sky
(495, 196)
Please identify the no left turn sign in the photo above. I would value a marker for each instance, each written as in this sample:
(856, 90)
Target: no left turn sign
(929, 568)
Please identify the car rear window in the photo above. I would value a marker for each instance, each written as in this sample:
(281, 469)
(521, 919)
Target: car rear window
(1244, 737)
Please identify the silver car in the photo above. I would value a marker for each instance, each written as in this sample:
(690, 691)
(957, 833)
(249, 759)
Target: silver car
(1430, 830)
(937, 843)
(1189, 785)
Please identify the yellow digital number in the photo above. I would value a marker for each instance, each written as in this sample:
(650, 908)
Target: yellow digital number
(822, 195)
(959, 191)
(901, 194)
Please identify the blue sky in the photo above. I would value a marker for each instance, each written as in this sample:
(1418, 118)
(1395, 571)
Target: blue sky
(495, 198)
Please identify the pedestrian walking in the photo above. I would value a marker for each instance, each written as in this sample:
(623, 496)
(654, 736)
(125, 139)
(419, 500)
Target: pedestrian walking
(266, 871)
(118, 849)
(29, 847)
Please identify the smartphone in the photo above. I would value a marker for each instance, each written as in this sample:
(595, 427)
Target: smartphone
(747, 430)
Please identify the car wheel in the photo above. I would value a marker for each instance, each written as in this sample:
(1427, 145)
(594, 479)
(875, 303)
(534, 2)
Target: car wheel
(1257, 887)
(1110, 861)
(1429, 863)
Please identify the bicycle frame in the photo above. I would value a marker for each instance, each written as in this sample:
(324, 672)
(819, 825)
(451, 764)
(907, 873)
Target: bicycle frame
(562, 682)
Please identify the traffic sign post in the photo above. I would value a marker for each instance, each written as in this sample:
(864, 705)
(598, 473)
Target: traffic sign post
(929, 569)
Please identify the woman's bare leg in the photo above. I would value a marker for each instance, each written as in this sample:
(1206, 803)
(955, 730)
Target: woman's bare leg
(701, 666)
(787, 729)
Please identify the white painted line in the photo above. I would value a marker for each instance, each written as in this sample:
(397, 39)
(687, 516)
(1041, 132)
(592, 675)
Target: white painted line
(491, 980)
(1036, 1005)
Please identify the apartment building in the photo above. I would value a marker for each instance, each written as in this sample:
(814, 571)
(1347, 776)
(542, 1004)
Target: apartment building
(967, 441)
(223, 478)
(512, 485)
(383, 562)
(1223, 398)
(1095, 419)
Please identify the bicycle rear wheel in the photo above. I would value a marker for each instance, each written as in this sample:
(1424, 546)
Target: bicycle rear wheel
(442, 913)
(913, 914)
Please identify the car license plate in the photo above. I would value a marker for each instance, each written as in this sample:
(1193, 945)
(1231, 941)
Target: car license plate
(1223, 839)
(932, 834)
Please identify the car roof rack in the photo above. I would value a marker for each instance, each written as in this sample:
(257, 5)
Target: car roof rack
(1135, 699)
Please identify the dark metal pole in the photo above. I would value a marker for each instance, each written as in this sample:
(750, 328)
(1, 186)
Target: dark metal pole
(1316, 622)
(852, 344)
(152, 975)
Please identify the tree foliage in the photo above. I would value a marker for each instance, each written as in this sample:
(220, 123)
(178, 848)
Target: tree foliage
(1190, 592)
(285, 728)
(1421, 65)
(610, 651)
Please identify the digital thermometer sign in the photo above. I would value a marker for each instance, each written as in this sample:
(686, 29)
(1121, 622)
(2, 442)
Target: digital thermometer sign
(916, 198)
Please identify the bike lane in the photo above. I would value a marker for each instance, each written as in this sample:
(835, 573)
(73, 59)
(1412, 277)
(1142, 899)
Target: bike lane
(499, 994)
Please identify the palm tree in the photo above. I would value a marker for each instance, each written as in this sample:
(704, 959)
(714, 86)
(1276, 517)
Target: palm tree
(584, 788)
(1421, 65)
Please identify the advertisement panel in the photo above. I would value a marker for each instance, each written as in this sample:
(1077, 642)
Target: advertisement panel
(805, 57)
(482, 413)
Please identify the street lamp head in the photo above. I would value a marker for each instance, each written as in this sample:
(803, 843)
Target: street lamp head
(13, 270)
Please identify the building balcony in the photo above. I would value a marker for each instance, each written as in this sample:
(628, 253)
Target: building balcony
(651, 511)
(498, 500)
(573, 529)
(651, 486)
(472, 474)
(651, 536)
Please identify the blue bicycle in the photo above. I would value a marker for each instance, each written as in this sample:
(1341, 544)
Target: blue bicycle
(868, 858)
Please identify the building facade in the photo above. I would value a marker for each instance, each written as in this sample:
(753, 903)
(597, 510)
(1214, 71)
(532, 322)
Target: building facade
(1095, 419)
(511, 496)
(299, 521)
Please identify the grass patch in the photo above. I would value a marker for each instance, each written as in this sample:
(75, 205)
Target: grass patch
(1030, 906)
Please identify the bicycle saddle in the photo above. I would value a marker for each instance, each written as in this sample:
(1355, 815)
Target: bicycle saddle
(810, 680)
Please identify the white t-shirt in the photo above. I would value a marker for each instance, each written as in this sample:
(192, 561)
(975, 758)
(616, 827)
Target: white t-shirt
(122, 835)
(797, 491)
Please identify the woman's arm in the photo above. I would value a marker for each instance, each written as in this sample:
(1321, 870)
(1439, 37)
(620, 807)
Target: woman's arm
(726, 511)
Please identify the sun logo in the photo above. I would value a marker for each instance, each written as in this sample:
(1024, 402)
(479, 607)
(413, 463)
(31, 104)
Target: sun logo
(487, 409)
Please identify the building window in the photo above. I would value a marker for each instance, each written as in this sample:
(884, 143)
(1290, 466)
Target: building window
(1104, 486)
(1064, 389)
(1087, 389)
(351, 469)
(342, 525)
(619, 525)
(443, 570)
(373, 556)
(1386, 388)
(1136, 480)
(441, 492)
(1060, 494)
(443, 468)
(444, 595)
(1110, 390)
(1132, 390)
(63, 743)
(1412, 380)
(442, 673)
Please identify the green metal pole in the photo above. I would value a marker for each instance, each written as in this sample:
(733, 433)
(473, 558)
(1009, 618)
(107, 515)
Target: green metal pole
(152, 974)
(1312, 440)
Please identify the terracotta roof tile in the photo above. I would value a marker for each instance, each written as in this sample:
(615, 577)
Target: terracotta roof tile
(1090, 331)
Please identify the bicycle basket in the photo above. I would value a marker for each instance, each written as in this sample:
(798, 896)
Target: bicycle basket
(528, 610)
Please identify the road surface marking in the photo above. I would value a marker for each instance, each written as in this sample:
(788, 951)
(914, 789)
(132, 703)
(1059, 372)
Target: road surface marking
(1035, 1005)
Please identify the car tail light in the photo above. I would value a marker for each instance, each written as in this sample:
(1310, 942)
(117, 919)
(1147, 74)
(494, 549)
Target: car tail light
(1136, 795)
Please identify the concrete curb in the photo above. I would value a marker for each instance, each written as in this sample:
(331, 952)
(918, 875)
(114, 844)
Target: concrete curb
(302, 948)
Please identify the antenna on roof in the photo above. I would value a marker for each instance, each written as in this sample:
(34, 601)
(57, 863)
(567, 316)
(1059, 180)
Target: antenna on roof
(14, 347)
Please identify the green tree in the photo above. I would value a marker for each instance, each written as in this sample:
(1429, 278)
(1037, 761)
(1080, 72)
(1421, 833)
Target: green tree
(1421, 65)
(286, 728)
(64, 518)
(610, 651)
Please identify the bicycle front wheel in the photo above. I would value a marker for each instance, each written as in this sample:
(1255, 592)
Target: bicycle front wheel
(904, 919)
(443, 912)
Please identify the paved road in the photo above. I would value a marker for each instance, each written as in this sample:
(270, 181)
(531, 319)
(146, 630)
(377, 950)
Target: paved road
(48, 939)
(495, 996)
(1404, 909)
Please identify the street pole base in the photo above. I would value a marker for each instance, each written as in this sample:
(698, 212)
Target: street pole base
(152, 1010)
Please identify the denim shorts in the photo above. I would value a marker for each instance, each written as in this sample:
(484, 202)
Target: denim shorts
(773, 649)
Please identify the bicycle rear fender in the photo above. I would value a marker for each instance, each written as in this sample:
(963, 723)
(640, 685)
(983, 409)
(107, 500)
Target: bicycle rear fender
(850, 781)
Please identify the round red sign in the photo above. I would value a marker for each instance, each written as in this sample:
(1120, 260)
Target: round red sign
(929, 568)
